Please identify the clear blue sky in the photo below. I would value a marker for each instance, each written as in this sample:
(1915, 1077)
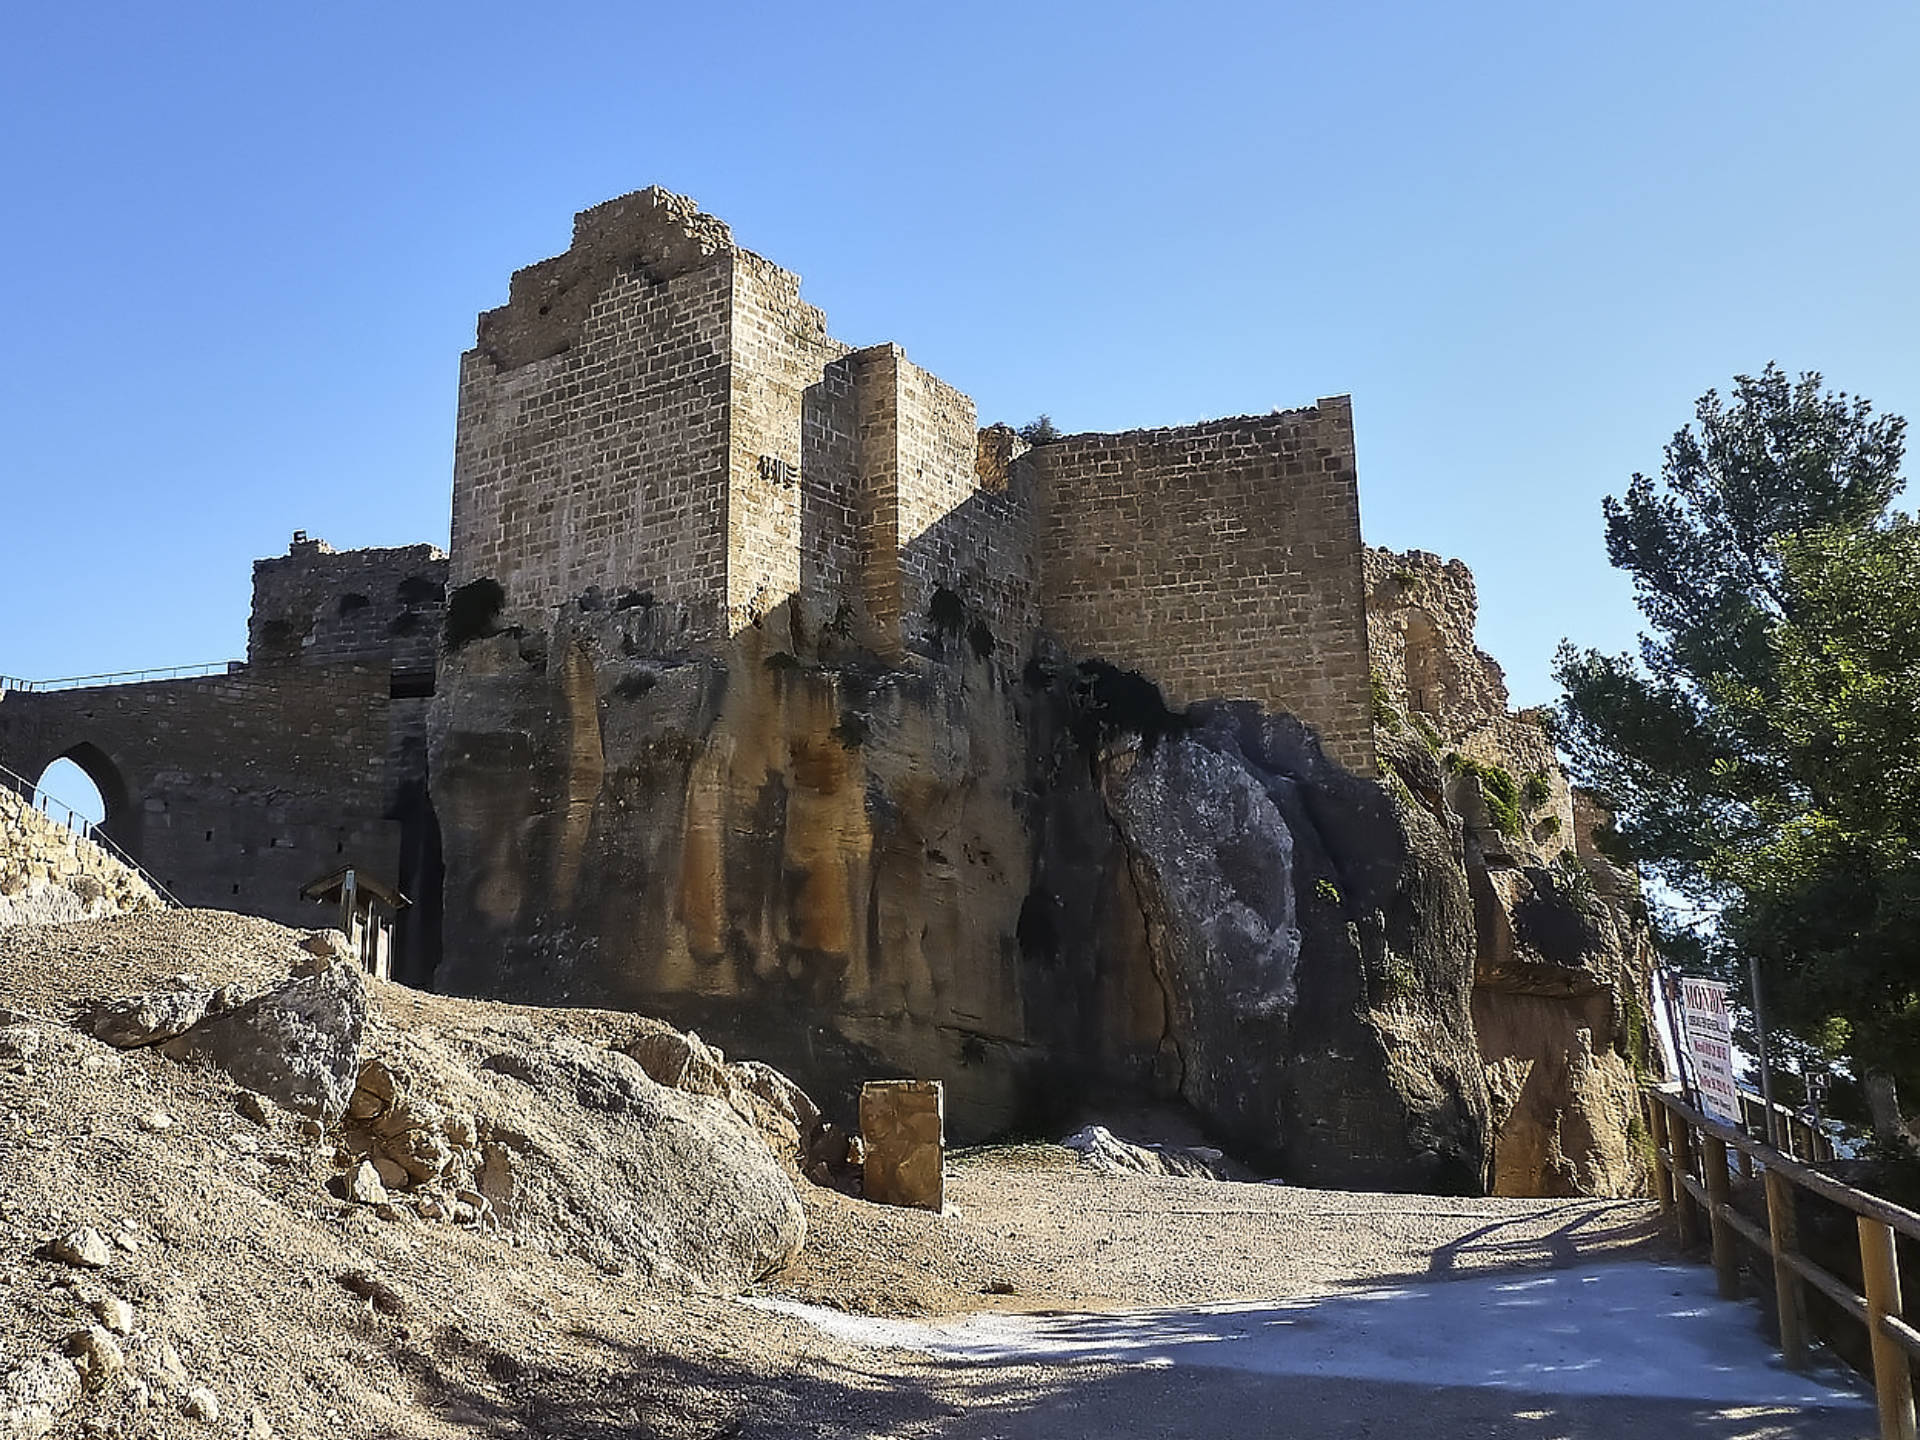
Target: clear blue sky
(245, 244)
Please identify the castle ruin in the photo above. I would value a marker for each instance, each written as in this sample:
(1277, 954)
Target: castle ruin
(754, 689)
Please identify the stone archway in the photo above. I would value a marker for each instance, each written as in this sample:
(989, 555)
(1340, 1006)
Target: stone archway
(122, 821)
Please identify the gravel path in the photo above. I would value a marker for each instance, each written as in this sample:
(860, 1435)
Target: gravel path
(248, 1277)
(1037, 1230)
(1068, 1240)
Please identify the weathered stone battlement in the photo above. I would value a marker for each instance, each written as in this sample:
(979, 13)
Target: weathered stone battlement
(1222, 559)
(316, 606)
(658, 412)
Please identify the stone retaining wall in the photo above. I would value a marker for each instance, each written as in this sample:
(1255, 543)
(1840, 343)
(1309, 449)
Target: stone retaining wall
(49, 875)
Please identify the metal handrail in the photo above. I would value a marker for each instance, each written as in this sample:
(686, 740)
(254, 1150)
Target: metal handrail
(83, 829)
(1692, 1179)
(122, 677)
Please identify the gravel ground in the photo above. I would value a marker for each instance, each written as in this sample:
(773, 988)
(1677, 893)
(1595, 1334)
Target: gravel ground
(1062, 1236)
(306, 1316)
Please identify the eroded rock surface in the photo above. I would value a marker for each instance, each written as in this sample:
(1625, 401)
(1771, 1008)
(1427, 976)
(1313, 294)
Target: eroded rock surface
(1563, 953)
(963, 870)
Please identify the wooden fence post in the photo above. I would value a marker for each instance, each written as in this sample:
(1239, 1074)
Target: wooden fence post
(1663, 1186)
(1681, 1131)
(1726, 1259)
(1892, 1378)
(1788, 1293)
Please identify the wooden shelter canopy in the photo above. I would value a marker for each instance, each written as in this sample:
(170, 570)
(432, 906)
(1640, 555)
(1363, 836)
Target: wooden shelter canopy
(329, 886)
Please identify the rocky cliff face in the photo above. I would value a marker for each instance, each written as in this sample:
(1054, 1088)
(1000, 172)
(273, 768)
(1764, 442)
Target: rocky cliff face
(1036, 885)
(1562, 950)
(1046, 889)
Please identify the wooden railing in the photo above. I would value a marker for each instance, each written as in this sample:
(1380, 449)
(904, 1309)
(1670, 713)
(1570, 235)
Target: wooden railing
(1693, 1180)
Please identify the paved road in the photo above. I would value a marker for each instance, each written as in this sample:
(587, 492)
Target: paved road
(1591, 1352)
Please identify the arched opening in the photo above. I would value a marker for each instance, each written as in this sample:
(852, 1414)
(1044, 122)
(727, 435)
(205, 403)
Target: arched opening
(65, 790)
(85, 783)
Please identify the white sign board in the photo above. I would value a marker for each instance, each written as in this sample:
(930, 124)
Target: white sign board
(1703, 1006)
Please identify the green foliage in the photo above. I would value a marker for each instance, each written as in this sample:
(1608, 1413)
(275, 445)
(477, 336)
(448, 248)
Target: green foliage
(1384, 714)
(1398, 979)
(1424, 728)
(1039, 430)
(1498, 789)
(1327, 890)
(1574, 880)
(1762, 751)
(1547, 828)
(1536, 792)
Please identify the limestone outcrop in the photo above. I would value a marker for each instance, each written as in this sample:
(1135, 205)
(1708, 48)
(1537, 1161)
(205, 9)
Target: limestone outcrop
(1563, 953)
(1039, 886)
(1314, 940)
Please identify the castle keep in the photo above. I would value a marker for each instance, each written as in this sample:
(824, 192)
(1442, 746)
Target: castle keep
(658, 412)
(761, 689)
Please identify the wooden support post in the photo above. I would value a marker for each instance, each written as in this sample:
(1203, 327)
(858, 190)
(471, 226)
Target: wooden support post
(1663, 1186)
(1746, 1166)
(1684, 1224)
(1892, 1377)
(1726, 1258)
(1789, 1295)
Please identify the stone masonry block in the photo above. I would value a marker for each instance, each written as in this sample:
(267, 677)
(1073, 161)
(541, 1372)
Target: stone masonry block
(903, 1123)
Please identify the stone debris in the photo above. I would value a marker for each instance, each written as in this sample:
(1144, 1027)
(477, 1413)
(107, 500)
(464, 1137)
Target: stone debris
(96, 1354)
(157, 1016)
(364, 1186)
(683, 1062)
(156, 1121)
(1099, 1148)
(115, 1314)
(155, 1355)
(375, 1291)
(201, 1404)
(326, 944)
(254, 1108)
(297, 1045)
(36, 1394)
(903, 1125)
(85, 1247)
(19, 1045)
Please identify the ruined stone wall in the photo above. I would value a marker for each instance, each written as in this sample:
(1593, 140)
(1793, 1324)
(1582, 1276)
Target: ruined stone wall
(1221, 559)
(1421, 613)
(1561, 944)
(932, 525)
(592, 443)
(318, 606)
(233, 790)
(792, 457)
(49, 874)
